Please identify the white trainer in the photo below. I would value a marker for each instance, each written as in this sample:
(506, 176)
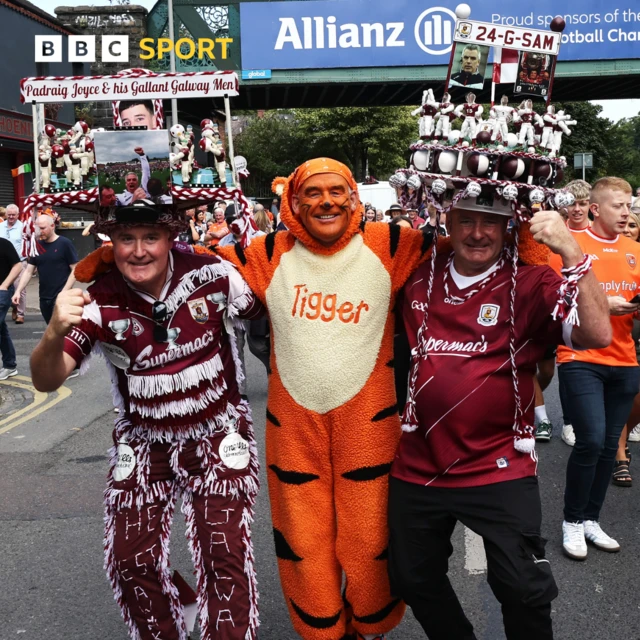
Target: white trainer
(568, 436)
(8, 373)
(573, 542)
(634, 435)
(596, 536)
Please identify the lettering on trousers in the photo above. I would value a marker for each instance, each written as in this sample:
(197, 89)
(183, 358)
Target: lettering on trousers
(320, 306)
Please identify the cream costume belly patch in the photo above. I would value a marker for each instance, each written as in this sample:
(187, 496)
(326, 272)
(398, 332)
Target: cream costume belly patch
(328, 315)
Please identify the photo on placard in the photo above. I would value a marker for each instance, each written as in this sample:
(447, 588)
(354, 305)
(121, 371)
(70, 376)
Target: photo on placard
(133, 165)
(469, 65)
(136, 113)
(534, 74)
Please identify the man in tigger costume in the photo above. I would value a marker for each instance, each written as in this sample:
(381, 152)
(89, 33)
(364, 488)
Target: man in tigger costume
(332, 421)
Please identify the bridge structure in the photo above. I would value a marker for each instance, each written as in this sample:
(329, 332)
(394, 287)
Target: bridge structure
(333, 53)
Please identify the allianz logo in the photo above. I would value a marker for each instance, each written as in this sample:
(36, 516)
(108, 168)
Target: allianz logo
(433, 33)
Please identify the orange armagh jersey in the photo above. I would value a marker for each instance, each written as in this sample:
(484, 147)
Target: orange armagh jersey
(616, 265)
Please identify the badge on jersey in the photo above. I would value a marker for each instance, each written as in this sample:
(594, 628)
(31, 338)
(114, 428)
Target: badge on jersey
(137, 327)
(631, 260)
(199, 310)
(488, 315)
(502, 463)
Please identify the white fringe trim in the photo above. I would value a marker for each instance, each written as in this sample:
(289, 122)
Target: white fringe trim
(150, 386)
(187, 284)
(112, 572)
(198, 563)
(183, 407)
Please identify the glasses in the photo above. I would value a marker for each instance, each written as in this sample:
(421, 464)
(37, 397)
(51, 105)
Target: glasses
(159, 314)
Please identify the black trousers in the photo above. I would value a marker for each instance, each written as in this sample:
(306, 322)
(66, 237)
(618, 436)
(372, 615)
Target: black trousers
(507, 515)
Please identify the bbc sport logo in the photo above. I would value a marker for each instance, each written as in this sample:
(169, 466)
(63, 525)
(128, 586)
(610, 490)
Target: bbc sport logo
(434, 30)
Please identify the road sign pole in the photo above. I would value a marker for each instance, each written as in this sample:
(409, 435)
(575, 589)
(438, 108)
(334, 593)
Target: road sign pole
(583, 167)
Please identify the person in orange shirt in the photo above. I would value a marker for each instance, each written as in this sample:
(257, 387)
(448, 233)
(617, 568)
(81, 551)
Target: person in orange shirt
(601, 384)
(577, 222)
(578, 212)
(218, 229)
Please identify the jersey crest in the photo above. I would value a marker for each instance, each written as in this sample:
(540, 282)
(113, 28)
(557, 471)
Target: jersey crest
(198, 310)
(488, 315)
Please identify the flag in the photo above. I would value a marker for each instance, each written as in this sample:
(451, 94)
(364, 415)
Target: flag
(505, 65)
(24, 168)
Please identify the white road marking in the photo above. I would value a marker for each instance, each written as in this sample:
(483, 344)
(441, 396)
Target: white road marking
(475, 559)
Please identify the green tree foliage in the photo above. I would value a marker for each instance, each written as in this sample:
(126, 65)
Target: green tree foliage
(367, 139)
(624, 145)
(378, 138)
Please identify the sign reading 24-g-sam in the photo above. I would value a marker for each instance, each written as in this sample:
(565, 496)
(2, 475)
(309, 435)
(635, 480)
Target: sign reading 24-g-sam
(319, 34)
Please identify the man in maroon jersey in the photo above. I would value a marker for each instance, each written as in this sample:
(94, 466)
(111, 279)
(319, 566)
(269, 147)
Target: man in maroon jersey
(462, 456)
(163, 320)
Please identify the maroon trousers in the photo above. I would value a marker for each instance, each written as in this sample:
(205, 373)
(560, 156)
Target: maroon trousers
(138, 528)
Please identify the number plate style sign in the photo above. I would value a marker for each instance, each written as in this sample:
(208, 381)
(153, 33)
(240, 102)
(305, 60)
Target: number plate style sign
(495, 35)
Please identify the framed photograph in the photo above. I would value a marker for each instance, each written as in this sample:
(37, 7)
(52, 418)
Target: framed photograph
(133, 165)
(534, 74)
(469, 65)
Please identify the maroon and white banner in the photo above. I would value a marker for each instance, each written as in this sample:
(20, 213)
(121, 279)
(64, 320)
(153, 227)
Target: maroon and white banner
(128, 86)
(496, 35)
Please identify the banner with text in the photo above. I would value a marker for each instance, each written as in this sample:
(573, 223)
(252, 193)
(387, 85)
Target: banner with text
(319, 34)
(203, 84)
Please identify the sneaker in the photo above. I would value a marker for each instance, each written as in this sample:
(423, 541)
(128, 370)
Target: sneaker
(598, 538)
(74, 374)
(543, 432)
(634, 435)
(8, 373)
(573, 542)
(568, 436)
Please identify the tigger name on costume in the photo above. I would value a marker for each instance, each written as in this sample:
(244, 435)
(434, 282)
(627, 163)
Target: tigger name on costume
(332, 417)
(325, 307)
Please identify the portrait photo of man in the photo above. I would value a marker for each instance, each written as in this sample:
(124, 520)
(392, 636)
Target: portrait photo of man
(469, 66)
(137, 113)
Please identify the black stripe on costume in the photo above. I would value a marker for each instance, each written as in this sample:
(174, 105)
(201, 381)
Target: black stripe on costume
(270, 243)
(367, 473)
(391, 363)
(272, 419)
(283, 549)
(362, 225)
(378, 616)
(394, 238)
(383, 555)
(385, 413)
(292, 477)
(314, 621)
(240, 253)
(427, 238)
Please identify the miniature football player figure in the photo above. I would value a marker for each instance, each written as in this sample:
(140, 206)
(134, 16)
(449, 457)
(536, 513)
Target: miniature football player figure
(443, 126)
(562, 120)
(526, 115)
(427, 112)
(471, 112)
(550, 122)
(503, 114)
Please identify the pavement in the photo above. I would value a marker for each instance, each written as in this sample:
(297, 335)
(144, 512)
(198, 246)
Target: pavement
(53, 462)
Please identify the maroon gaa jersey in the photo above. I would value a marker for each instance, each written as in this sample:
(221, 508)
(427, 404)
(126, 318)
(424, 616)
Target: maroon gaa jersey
(464, 393)
(183, 382)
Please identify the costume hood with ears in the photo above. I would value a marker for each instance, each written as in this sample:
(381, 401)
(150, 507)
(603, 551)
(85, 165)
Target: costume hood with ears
(292, 184)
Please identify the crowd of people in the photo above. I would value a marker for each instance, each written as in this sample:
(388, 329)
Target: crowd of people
(370, 500)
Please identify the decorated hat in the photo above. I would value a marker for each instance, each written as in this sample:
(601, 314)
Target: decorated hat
(141, 212)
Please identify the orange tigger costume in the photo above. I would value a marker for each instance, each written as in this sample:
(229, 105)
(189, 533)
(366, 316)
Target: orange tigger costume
(332, 419)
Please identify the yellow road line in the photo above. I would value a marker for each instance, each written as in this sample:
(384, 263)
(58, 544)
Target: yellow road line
(35, 408)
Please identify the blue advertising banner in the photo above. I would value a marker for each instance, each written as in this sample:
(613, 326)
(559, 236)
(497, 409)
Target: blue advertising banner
(325, 34)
